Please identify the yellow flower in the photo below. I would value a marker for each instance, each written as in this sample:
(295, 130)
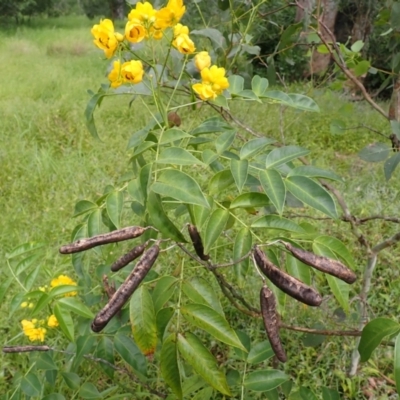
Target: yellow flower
(184, 44)
(179, 29)
(202, 60)
(171, 14)
(143, 13)
(64, 280)
(115, 76)
(132, 71)
(105, 37)
(134, 31)
(213, 83)
(24, 304)
(31, 332)
(52, 321)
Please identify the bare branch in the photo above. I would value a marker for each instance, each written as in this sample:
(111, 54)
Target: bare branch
(320, 332)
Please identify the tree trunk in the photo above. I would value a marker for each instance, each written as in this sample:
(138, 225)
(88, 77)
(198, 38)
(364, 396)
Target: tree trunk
(320, 62)
(363, 20)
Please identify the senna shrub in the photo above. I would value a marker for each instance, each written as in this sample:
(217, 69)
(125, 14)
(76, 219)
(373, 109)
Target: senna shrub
(202, 194)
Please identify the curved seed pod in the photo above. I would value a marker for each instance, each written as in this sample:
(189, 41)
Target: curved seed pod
(124, 292)
(119, 235)
(324, 264)
(291, 286)
(197, 243)
(128, 257)
(270, 318)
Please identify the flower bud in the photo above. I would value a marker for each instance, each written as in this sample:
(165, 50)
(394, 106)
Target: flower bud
(202, 60)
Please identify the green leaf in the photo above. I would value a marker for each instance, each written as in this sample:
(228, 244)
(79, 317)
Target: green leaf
(4, 287)
(390, 165)
(339, 288)
(278, 97)
(282, 155)
(200, 291)
(259, 85)
(275, 222)
(209, 156)
(135, 191)
(264, 380)
(373, 333)
(31, 385)
(314, 172)
(214, 228)
(89, 391)
(200, 214)
(337, 247)
(306, 394)
(375, 152)
(163, 291)
(214, 35)
(24, 264)
(75, 305)
(212, 322)
(169, 365)
(330, 394)
(254, 147)
(211, 125)
(260, 352)
(92, 104)
(357, 46)
(397, 363)
(249, 200)
(84, 345)
(224, 141)
(131, 354)
(274, 188)
(105, 350)
(24, 248)
(72, 380)
(303, 102)
(143, 320)
(61, 290)
(239, 169)
(180, 186)
(95, 223)
(197, 355)
(54, 396)
(65, 321)
(312, 194)
(298, 269)
(163, 318)
(236, 84)
(177, 156)
(45, 362)
(241, 247)
(337, 127)
(220, 181)
(172, 135)
(160, 219)
(114, 203)
(249, 94)
(29, 280)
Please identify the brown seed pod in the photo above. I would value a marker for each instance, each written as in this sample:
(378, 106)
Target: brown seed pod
(119, 235)
(271, 323)
(124, 292)
(324, 264)
(291, 286)
(129, 257)
(197, 243)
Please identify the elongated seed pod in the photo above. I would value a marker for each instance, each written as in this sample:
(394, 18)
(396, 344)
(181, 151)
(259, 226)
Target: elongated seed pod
(124, 292)
(129, 257)
(291, 286)
(120, 235)
(197, 242)
(324, 264)
(270, 318)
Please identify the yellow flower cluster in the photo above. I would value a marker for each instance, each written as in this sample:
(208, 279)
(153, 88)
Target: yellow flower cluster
(213, 80)
(64, 280)
(31, 331)
(145, 22)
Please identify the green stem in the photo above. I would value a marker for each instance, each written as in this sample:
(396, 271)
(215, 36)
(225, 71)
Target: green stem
(16, 278)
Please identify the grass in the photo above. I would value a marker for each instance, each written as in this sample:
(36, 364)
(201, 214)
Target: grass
(49, 161)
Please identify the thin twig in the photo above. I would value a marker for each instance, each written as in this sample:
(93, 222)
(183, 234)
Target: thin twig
(320, 332)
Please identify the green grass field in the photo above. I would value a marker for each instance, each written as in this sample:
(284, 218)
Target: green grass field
(49, 161)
